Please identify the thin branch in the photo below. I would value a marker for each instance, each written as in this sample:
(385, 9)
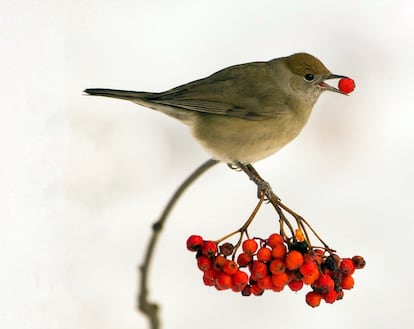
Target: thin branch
(150, 309)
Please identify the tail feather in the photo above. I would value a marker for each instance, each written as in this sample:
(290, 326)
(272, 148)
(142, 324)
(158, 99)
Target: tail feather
(145, 99)
(115, 93)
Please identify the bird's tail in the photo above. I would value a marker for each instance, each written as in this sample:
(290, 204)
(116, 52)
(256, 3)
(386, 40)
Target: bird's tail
(115, 93)
(145, 99)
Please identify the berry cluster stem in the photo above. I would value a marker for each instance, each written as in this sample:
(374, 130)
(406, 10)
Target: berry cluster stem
(265, 189)
(243, 229)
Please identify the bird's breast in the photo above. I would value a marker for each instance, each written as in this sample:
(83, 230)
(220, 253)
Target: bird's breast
(232, 139)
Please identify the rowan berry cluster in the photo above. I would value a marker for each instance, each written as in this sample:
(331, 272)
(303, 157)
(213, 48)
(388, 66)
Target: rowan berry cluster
(273, 264)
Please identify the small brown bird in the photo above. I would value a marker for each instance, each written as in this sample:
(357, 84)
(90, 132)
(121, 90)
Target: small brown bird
(245, 112)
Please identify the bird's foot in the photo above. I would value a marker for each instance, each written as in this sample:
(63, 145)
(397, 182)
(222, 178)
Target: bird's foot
(234, 166)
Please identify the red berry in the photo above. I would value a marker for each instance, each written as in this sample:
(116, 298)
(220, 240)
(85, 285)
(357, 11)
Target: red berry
(194, 242)
(295, 285)
(347, 266)
(274, 239)
(313, 298)
(243, 259)
(277, 266)
(330, 297)
(346, 85)
(209, 248)
(279, 251)
(310, 279)
(264, 254)
(347, 282)
(324, 284)
(256, 290)
(258, 270)
(223, 281)
(294, 260)
(240, 279)
(204, 263)
(230, 267)
(266, 282)
(219, 262)
(235, 288)
(280, 280)
(249, 246)
(308, 268)
(209, 277)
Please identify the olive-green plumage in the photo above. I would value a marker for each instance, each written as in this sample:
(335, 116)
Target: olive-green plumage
(245, 112)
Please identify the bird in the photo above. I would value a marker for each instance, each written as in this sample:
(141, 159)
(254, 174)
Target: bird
(246, 112)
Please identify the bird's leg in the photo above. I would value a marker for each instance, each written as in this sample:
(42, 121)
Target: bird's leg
(263, 187)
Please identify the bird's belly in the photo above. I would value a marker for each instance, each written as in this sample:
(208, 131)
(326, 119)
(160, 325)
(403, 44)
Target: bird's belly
(232, 139)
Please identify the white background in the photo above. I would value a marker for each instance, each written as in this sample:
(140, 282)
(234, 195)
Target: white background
(83, 178)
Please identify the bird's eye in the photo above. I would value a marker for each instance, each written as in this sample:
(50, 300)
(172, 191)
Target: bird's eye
(309, 77)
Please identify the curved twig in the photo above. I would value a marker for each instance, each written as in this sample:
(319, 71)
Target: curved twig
(147, 307)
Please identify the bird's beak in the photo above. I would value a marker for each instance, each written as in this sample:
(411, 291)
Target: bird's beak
(325, 86)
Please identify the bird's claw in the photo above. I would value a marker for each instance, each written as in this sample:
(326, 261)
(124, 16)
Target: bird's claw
(234, 166)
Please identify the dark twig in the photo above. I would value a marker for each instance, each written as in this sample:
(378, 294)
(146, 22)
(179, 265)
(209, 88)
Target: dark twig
(147, 307)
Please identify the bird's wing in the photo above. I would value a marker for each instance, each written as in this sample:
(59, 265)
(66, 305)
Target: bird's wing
(246, 91)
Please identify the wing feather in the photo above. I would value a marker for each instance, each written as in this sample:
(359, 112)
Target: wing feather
(246, 91)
